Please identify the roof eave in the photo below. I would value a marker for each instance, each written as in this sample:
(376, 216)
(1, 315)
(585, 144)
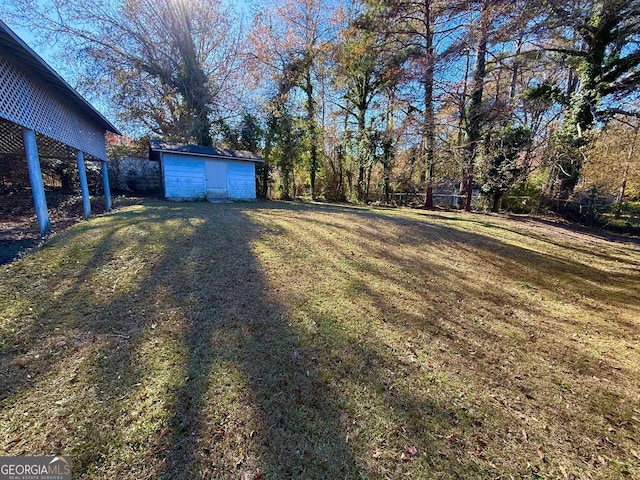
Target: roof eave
(207, 155)
(40, 67)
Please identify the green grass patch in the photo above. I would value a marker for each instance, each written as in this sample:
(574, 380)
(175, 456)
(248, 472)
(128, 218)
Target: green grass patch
(279, 340)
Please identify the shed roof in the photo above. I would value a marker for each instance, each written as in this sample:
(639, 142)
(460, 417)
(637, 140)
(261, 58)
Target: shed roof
(31, 61)
(157, 146)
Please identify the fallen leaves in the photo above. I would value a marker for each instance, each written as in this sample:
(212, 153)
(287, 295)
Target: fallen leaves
(410, 452)
(437, 388)
(451, 437)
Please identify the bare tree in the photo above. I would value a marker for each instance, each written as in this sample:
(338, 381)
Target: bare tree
(164, 64)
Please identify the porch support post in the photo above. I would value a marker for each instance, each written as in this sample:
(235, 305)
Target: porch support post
(105, 184)
(84, 186)
(35, 177)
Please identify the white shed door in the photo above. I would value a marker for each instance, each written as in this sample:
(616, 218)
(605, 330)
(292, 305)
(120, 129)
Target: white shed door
(183, 178)
(242, 180)
(216, 179)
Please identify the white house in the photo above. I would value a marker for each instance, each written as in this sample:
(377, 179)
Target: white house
(41, 116)
(192, 172)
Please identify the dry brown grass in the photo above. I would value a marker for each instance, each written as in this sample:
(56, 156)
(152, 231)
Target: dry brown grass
(306, 341)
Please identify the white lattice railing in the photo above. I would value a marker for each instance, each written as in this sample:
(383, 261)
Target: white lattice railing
(29, 102)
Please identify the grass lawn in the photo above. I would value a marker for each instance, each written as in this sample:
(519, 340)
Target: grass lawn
(277, 341)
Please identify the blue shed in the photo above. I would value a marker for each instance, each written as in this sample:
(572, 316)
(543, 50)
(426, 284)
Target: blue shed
(192, 172)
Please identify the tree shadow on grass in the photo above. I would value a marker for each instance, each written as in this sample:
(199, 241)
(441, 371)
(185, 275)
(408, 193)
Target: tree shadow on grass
(207, 373)
(513, 262)
(182, 357)
(250, 403)
(292, 419)
(60, 306)
(506, 345)
(70, 361)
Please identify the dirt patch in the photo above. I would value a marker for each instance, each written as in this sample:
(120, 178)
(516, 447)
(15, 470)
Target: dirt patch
(19, 227)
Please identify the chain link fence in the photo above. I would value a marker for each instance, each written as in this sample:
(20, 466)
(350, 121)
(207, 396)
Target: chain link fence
(414, 199)
(594, 210)
(591, 210)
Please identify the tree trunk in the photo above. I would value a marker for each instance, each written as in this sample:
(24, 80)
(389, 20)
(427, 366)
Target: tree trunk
(191, 80)
(265, 179)
(623, 186)
(311, 125)
(474, 113)
(387, 145)
(363, 152)
(516, 68)
(428, 134)
(625, 173)
(387, 187)
(462, 122)
(496, 202)
(366, 193)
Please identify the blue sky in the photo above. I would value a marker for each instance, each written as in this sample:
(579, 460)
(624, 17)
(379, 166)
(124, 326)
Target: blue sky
(50, 55)
(26, 35)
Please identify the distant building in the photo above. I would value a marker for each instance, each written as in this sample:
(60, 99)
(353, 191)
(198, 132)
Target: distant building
(191, 172)
(130, 169)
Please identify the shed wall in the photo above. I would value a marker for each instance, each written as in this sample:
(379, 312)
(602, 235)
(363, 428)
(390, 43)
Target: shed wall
(183, 178)
(242, 180)
(194, 177)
